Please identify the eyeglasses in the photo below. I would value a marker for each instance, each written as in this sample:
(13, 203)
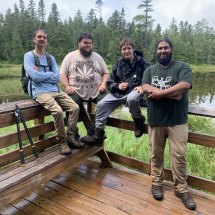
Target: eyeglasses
(40, 36)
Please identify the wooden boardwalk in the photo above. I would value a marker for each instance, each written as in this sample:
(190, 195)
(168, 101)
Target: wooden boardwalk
(87, 189)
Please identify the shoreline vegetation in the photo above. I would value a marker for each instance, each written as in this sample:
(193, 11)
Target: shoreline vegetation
(201, 160)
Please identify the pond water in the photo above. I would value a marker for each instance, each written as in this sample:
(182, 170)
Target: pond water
(202, 93)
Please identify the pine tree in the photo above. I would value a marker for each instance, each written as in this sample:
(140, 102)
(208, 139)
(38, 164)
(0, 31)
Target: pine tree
(144, 20)
(113, 51)
(99, 4)
(55, 14)
(91, 21)
(17, 48)
(41, 11)
(22, 6)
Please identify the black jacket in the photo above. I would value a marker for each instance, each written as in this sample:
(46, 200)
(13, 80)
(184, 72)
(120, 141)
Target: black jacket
(125, 72)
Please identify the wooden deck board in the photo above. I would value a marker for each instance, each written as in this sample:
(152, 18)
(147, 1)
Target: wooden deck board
(88, 189)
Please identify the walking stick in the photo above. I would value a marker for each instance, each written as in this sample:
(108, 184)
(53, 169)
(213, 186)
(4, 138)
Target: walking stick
(19, 115)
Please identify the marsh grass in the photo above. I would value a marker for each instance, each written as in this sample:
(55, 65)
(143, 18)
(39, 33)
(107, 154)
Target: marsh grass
(203, 68)
(201, 160)
(10, 81)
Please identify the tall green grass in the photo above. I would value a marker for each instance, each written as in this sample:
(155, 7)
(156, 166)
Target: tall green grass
(201, 160)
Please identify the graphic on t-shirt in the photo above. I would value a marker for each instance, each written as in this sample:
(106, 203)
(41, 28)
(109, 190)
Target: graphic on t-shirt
(84, 72)
(161, 84)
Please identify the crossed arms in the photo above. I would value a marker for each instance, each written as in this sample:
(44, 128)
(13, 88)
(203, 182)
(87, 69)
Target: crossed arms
(52, 77)
(174, 92)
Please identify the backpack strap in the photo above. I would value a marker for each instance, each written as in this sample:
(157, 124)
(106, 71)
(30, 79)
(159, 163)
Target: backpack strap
(49, 61)
(37, 60)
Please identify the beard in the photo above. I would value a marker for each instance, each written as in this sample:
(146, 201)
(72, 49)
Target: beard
(166, 60)
(84, 52)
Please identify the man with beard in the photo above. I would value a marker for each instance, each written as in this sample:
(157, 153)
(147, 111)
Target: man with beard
(42, 81)
(84, 72)
(166, 84)
(125, 87)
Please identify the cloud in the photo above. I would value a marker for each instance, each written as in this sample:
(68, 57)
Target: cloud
(183, 10)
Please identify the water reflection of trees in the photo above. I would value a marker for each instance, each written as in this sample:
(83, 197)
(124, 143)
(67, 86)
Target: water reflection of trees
(203, 88)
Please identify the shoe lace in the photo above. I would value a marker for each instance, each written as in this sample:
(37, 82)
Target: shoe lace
(186, 197)
(63, 142)
(157, 188)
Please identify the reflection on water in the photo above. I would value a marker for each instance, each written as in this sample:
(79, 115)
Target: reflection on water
(203, 90)
(12, 98)
(202, 93)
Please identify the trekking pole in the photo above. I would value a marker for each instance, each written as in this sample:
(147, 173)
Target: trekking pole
(29, 136)
(19, 137)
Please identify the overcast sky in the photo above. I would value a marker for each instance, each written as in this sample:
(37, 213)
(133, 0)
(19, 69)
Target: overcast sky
(164, 10)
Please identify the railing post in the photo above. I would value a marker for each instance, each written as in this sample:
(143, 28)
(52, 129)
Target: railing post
(90, 107)
(37, 122)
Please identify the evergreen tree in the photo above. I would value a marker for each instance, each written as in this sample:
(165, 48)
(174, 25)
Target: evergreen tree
(41, 11)
(91, 21)
(99, 4)
(17, 52)
(55, 14)
(144, 20)
(22, 6)
(123, 23)
(113, 51)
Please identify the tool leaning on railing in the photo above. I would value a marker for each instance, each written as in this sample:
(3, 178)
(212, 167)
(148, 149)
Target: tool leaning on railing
(19, 115)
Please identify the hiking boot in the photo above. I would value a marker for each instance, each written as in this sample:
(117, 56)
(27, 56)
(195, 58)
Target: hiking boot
(75, 144)
(64, 149)
(157, 192)
(95, 139)
(92, 131)
(187, 200)
(139, 126)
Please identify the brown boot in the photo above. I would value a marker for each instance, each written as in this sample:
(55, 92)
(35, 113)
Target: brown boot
(96, 139)
(64, 149)
(139, 126)
(187, 200)
(75, 144)
(157, 192)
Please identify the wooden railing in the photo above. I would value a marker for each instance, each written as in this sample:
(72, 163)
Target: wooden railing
(32, 112)
(195, 138)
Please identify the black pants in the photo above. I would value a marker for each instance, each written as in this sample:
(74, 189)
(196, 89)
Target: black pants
(78, 100)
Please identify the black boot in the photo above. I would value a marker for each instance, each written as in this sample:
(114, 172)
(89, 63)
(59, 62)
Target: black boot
(139, 126)
(95, 139)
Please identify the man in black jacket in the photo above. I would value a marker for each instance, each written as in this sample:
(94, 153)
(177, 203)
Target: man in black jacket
(125, 86)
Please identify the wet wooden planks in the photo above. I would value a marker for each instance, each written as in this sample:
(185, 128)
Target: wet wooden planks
(88, 189)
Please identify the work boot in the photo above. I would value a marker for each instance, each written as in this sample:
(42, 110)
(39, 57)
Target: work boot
(64, 149)
(187, 200)
(157, 192)
(95, 139)
(92, 131)
(74, 144)
(139, 126)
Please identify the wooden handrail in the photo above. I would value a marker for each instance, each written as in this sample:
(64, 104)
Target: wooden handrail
(32, 111)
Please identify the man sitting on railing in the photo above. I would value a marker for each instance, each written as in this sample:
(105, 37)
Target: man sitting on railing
(46, 92)
(166, 84)
(124, 85)
(84, 73)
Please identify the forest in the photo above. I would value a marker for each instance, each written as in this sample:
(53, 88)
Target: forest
(194, 44)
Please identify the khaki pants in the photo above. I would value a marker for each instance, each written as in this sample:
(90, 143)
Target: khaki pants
(54, 102)
(178, 136)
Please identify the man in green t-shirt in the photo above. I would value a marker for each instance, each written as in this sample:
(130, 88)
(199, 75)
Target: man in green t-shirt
(166, 84)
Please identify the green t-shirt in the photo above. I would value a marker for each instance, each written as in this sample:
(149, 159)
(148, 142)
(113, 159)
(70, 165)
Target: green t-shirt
(165, 111)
